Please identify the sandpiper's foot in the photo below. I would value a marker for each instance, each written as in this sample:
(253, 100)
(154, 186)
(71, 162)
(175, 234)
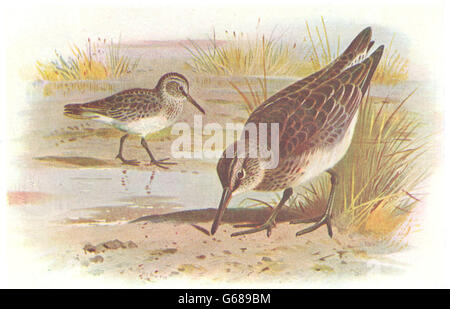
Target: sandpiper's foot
(128, 162)
(161, 163)
(270, 223)
(319, 222)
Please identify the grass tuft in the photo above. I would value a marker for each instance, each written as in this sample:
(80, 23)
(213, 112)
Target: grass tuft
(392, 69)
(320, 54)
(259, 54)
(100, 60)
(244, 54)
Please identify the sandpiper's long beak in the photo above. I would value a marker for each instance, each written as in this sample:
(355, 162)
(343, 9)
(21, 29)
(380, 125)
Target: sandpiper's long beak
(226, 197)
(191, 99)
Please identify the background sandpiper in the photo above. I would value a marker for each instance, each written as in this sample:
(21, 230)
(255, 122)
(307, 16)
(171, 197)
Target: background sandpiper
(139, 111)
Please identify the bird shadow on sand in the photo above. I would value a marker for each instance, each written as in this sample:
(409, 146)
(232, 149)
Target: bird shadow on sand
(233, 215)
(74, 161)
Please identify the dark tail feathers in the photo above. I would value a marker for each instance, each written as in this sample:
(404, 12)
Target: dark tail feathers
(75, 111)
(360, 45)
(376, 57)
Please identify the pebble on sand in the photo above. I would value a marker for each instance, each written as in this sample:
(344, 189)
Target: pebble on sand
(97, 259)
(109, 245)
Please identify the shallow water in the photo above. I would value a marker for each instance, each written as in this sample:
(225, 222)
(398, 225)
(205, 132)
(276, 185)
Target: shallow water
(70, 190)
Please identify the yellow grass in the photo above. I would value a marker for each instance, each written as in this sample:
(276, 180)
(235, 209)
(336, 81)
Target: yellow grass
(256, 98)
(100, 60)
(392, 69)
(321, 54)
(245, 54)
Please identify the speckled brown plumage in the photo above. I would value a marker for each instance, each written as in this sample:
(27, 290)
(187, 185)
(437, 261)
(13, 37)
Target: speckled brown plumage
(313, 115)
(139, 111)
(318, 109)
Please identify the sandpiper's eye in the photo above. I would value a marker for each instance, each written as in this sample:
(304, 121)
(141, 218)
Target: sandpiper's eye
(241, 174)
(181, 88)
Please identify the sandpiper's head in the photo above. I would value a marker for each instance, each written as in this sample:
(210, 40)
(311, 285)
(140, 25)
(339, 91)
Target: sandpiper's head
(176, 86)
(238, 172)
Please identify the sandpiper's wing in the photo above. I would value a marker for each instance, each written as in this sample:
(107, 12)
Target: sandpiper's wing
(319, 115)
(357, 49)
(128, 105)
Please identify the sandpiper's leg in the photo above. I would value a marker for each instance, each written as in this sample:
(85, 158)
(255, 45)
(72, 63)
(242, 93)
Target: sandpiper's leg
(159, 163)
(119, 156)
(271, 220)
(326, 218)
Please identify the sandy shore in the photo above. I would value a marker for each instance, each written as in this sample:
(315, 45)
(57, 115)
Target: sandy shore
(151, 254)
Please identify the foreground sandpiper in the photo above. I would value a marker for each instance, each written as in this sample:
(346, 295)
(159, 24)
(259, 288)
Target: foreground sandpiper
(316, 118)
(139, 111)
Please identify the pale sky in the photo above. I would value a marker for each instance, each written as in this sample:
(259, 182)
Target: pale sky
(33, 31)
